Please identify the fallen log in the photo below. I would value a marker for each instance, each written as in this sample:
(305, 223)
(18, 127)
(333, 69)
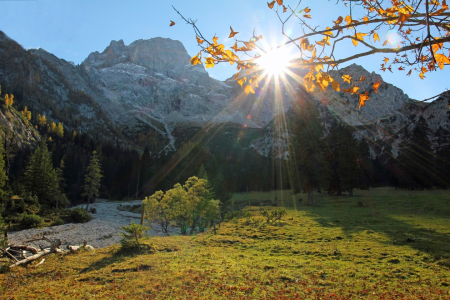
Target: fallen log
(6, 252)
(24, 247)
(31, 258)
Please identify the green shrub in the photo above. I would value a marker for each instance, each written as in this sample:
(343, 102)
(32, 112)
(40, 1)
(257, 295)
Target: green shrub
(93, 210)
(3, 229)
(79, 215)
(30, 221)
(131, 234)
(57, 221)
(231, 215)
(274, 215)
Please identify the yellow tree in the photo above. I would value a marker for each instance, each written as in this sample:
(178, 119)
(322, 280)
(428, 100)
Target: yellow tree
(60, 130)
(421, 45)
(53, 127)
(26, 113)
(9, 99)
(42, 120)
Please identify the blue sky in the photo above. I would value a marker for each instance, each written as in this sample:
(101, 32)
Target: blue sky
(72, 29)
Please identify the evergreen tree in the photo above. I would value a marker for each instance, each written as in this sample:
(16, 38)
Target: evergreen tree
(416, 157)
(344, 172)
(309, 156)
(365, 164)
(40, 179)
(442, 153)
(92, 180)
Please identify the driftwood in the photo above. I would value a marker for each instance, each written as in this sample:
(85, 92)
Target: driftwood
(22, 254)
(85, 246)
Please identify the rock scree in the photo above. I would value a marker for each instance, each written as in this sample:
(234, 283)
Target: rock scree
(102, 231)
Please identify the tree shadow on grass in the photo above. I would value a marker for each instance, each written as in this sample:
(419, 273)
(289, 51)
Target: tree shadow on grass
(118, 256)
(416, 231)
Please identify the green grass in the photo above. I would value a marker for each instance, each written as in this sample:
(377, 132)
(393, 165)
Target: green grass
(393, 245)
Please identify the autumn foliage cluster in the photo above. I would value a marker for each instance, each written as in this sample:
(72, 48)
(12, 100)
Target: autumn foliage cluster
(422, 28)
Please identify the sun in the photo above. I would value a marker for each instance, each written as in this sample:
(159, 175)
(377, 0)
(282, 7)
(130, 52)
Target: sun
(274, 62)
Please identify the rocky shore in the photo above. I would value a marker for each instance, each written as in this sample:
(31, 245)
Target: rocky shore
(102, 231)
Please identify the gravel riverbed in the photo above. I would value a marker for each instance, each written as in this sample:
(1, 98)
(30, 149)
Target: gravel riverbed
(102, 231)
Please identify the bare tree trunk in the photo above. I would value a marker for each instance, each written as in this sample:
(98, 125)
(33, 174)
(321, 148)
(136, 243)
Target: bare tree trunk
(87, 204)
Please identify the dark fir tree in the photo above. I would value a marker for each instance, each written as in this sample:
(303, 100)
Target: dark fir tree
(442, 154)
(92, 180)
(41, 180)
(344, 172)
(309, 157)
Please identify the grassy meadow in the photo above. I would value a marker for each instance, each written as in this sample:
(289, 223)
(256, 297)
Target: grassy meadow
(379, 244)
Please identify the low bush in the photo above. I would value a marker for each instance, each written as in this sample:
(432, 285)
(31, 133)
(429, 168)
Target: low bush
(93, 210)
(57, 222)
(131, 234)
(30, 221)
(79, 215)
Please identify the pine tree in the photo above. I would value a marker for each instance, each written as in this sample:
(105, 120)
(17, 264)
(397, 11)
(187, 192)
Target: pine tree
(309, 157)
(40, 178)
(442, 152)
(92, 180)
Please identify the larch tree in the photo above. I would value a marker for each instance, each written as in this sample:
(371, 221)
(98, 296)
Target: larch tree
(421, 45)
(92, 180)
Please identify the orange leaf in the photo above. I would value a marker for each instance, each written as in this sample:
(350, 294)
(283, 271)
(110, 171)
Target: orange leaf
(307, 10)
(235, 48)
(348, 19)
(363, 98)
(233, 33)
(271, 4)
(249, 89)
(172, 23)
(280, 2)
(365, 19)
(335, 86)
(442, 60)
(195, 60)
(209, 62)
(240, 81)
(362, 78)
(338, 21)
(199, 40)
(284, 8)
(304, 43)
(386, 60)
(215, 40)
(307, 16)
(409, 73)
(385, 42)
(400, 69)
(347, 78)
(376, 37)
(375, 86)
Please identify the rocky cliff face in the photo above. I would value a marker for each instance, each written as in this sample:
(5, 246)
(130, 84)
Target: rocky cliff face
(140, 93)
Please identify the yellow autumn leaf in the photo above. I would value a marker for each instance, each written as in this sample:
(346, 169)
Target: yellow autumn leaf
(199, 40)
(348, 19)
(347, 78)
(359, 36)
(375, 86)
(215, 40)
(363, 98)
(376, 37)
(209, 62)
(335, 86)
(441, 60)
(249, 89)
(365, 19)
(195, 60)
